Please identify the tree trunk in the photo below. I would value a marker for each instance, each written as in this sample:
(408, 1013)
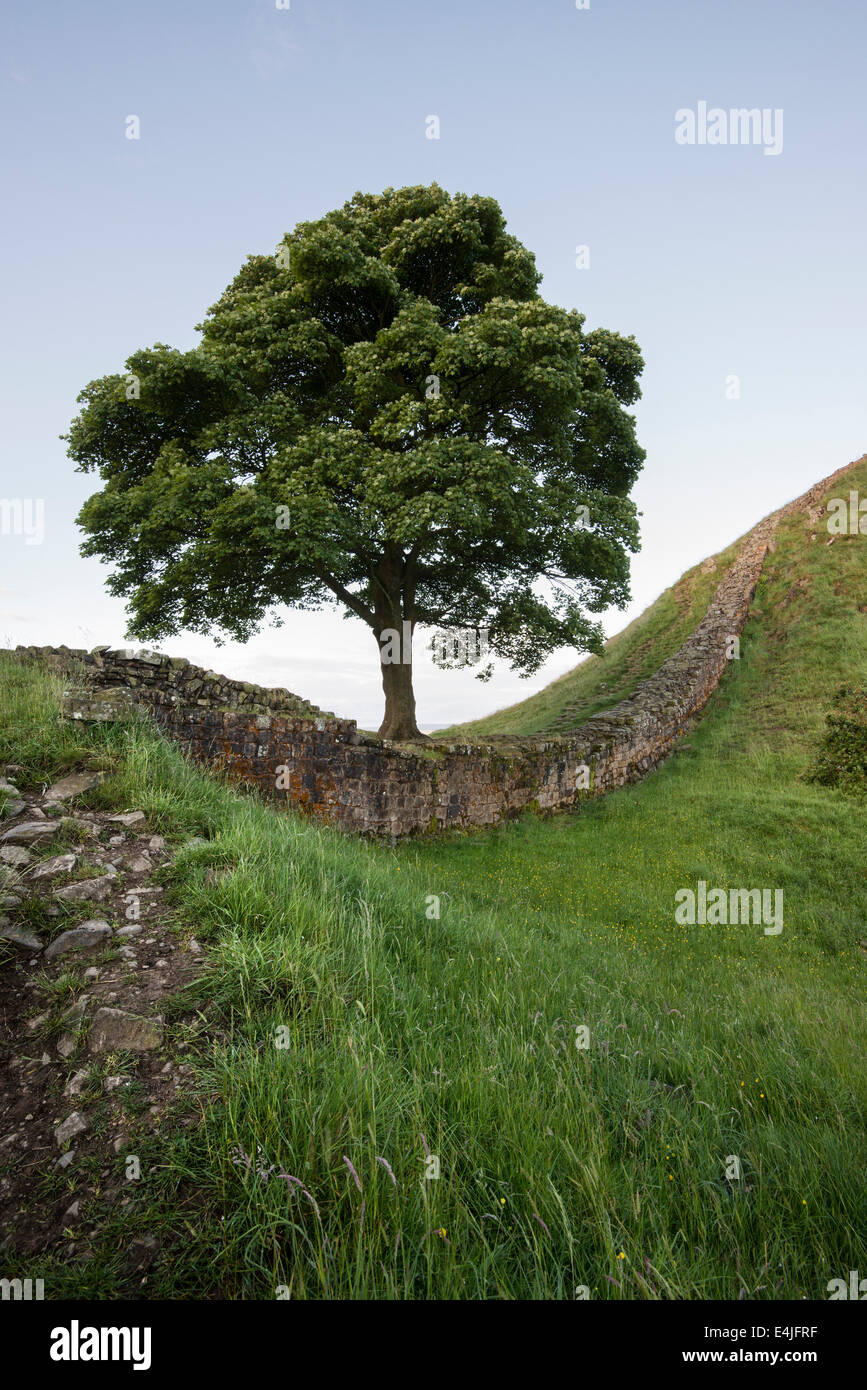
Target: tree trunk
(399, 720)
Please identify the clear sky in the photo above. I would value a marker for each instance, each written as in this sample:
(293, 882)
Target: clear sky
(724, 261)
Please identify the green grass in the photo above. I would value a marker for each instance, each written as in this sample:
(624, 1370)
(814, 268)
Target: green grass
(633, 655)
(560, 1167)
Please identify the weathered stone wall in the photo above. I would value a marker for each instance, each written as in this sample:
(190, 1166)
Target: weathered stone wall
(152, 679)
(276, 742)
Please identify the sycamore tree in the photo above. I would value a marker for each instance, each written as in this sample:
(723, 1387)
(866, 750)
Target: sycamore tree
(385, 416)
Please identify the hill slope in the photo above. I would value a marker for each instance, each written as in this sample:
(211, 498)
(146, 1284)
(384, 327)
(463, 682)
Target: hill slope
(631, 656)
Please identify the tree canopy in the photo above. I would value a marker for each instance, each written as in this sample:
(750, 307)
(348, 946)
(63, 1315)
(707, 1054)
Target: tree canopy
(385, 415)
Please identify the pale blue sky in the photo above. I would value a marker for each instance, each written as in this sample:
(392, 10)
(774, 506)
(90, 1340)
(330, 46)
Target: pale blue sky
(720, 259)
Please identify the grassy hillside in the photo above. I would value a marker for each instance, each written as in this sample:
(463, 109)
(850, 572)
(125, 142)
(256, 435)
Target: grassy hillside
(632, 655)
(408, 1036)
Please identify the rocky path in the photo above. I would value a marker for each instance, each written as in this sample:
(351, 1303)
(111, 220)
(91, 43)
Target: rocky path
(89, 958)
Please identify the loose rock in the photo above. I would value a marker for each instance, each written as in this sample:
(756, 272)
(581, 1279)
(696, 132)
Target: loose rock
(30, 832)
(20, 936)
(90, 936)
(49, 868)
(88, 890)
(14, 855)
(77, 825)
(72, 1125)
(114, 1029)
(72, 1023)
(74, 785)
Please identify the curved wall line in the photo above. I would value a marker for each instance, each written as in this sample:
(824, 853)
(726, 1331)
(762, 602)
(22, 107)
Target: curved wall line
(282, 745)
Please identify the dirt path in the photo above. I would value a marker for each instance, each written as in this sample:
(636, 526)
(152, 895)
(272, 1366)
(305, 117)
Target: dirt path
(90, 957)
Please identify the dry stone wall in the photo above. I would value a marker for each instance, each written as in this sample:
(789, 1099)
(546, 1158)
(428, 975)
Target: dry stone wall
(276, 742)
(152, 679)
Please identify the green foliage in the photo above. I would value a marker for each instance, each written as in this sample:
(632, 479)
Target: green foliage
(426, 429)
(842, 760)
